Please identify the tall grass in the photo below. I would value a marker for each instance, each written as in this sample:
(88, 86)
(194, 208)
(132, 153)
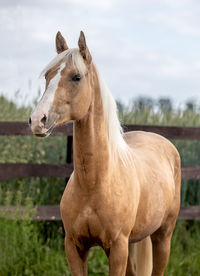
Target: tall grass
(185, 250)
(37, 248)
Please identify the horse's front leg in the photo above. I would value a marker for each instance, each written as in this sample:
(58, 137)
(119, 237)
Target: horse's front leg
(77, 259)
(118, 257)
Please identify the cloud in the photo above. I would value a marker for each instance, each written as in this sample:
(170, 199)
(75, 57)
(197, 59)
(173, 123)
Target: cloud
(181, 16)
(179, 23)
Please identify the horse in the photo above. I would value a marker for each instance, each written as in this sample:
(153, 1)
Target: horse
(125, 187)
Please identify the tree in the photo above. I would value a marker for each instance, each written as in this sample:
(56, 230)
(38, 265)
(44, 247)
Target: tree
(165, 104)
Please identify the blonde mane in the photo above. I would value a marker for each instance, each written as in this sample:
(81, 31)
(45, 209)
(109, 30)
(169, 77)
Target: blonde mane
(115, 132)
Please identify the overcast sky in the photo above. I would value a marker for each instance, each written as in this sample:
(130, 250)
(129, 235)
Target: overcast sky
(142, 47)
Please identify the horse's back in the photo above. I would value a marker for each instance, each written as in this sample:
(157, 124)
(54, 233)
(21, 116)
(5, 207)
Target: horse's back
(139, 138)
(152, 147)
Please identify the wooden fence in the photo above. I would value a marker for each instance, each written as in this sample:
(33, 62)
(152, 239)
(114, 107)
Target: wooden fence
(51, 212)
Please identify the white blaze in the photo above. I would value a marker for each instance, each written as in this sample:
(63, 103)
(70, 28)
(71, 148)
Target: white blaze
(46, 101)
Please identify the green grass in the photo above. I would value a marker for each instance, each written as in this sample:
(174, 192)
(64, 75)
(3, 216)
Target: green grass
(25, 251)
(37, 248)
(185, 250)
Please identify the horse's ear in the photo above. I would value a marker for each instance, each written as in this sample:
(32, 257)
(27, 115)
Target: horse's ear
(84, 49)
(61, 44)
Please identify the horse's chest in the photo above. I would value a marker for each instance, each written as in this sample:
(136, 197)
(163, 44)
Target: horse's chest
(87, 229)
(85, 220)
(94, 219)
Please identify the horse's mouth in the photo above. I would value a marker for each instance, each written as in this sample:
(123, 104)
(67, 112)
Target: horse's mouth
(47, 133)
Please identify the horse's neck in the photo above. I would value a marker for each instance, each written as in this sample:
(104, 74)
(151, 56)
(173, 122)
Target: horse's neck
(91, 147)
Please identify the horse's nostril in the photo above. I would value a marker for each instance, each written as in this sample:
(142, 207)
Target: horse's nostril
(29, 121)
(44, 119)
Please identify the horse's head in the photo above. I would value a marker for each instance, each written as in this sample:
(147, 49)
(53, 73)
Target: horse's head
(67, 95)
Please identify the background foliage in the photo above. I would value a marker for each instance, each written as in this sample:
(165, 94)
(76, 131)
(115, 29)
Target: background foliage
(36, 248)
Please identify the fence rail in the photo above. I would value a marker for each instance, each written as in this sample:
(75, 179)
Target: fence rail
(11, 170)
(52, 212)
(170, 132)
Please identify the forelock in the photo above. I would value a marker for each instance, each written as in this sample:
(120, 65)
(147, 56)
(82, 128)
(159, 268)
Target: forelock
(74, 54)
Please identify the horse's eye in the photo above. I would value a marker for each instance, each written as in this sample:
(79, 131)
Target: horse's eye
(76, 77)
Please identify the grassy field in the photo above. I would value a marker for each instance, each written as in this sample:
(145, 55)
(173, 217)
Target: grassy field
(36, 248)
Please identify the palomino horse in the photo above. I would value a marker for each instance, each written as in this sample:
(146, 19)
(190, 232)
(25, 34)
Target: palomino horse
(125, 188)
